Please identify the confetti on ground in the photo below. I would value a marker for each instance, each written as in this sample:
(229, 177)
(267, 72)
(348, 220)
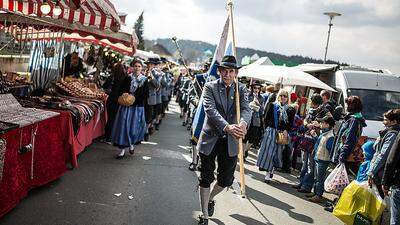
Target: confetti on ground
(130, 197)
(118, 194)
(146, 157)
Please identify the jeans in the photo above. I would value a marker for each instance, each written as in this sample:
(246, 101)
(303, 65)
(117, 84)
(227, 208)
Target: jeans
(320, 175)
(307, 182)
(304, 166)
(395, 206)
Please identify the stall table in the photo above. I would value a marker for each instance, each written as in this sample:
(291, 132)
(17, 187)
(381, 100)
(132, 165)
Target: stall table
(75, 144)
(48, 161)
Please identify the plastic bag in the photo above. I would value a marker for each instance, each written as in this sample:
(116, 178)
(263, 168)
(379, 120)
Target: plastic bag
(358, 199)
(337, 180)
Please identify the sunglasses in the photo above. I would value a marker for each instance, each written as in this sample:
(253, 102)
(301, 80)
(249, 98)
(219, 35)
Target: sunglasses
(284, 96)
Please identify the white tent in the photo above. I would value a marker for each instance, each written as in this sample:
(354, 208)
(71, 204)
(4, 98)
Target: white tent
(254, 57)
(145, 55)
(313, 67)
(281, 74)
(262, 61)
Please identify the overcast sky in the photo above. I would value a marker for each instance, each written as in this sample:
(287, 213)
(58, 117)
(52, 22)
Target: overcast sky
(367, 34)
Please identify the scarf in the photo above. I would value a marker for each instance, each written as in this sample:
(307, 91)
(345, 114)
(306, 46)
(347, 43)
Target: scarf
(141, 79)
(134, 84)
(282, 109)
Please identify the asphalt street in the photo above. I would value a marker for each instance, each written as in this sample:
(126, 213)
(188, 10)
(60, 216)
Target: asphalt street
(154, 187)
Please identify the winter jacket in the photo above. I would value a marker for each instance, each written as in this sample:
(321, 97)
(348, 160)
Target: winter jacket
(384, 144)
(347, 137)
(391, 172)
(362, 174)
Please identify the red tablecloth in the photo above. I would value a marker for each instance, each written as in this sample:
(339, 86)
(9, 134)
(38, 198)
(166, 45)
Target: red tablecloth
(49, 161)
(86, 134)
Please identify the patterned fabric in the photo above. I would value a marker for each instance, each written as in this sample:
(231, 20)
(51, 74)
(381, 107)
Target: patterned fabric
(3, 147)
(282, 109)
(270, 153)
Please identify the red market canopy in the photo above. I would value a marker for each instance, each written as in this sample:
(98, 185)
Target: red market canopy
(99, 14)
(27, 28)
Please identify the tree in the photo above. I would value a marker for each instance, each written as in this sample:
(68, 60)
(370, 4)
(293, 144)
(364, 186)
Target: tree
(139, 31)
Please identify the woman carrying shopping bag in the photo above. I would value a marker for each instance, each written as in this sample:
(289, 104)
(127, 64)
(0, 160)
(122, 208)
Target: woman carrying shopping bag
(348, 134)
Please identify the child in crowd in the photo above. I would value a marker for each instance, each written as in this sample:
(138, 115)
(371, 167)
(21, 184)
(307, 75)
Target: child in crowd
(369, 151)
(322, 149)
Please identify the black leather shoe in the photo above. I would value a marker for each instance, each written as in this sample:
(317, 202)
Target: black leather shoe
(132, 151)
(303, 191)
(310, 195)
(192, 167)
(296, 186)
(211, 205)
(202, 221)
(119, 157)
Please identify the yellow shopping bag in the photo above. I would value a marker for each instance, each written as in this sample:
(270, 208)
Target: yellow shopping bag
(359, 198)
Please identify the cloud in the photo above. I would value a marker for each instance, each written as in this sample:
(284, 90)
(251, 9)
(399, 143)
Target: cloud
(367, 34)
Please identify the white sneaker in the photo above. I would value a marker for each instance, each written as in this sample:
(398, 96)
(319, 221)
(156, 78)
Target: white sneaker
(132, 147)
(121, 153)
(268, 177)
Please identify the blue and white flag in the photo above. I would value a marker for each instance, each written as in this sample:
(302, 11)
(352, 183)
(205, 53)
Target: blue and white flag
(225, 47)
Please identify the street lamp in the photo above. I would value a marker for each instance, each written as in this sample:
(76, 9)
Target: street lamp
(331, 16)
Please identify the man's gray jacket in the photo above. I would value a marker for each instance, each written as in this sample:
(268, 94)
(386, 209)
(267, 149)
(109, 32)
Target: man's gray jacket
(220, 111)
(154, 86)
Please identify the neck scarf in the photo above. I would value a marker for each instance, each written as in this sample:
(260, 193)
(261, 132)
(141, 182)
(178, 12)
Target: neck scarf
(282, 109)
(134, 84)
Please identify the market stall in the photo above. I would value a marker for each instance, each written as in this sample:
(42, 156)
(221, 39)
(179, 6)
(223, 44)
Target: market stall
(48, 127)
(31, 150)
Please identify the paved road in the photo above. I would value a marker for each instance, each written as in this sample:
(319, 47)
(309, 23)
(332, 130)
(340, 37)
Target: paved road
(163, 190)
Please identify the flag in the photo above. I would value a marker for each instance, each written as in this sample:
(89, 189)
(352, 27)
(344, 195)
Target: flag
(224, 47)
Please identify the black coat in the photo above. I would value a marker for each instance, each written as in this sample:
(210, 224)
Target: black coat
(269, 118)
(140, 94)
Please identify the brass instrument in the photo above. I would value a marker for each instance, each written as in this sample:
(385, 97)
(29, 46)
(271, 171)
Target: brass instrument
(175, 40)
(149, 74)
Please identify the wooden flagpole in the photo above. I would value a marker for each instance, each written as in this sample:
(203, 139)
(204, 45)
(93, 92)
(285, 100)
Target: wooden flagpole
(237, 101)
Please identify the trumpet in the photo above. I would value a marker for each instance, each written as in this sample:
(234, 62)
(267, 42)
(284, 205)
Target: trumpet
(149, 74)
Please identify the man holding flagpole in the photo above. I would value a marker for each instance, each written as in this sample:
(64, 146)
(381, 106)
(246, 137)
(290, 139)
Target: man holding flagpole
(220, 133)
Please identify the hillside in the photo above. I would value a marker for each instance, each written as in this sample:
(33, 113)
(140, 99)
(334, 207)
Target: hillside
(195, 51)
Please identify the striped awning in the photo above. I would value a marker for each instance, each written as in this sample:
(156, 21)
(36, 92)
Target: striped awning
(99, 14)
(28, 28)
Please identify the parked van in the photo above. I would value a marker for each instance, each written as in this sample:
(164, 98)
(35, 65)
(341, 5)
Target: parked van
(379, 91)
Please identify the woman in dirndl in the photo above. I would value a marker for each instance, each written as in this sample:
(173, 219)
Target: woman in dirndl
(255, 132)
(278, 117)
(130, 123)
